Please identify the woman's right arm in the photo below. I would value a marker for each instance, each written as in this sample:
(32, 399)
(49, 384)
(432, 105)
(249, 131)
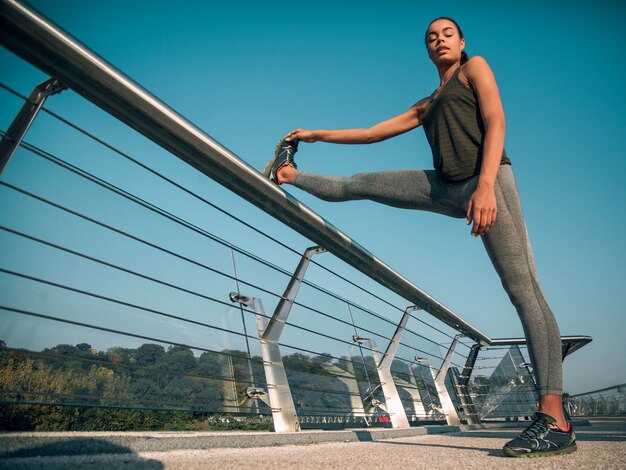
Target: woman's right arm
(383, 130)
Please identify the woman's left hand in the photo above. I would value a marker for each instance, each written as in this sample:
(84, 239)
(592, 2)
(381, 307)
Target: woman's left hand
(482, 210)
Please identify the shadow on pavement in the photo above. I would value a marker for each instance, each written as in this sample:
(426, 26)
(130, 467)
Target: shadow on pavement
(491, 451)
(27, 456)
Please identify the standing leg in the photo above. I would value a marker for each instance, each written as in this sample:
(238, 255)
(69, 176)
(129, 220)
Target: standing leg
(509, 249)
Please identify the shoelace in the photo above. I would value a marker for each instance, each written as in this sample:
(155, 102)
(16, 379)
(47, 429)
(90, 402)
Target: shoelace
(537, 428)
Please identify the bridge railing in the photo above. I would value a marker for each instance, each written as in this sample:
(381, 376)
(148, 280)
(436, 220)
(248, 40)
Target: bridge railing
(124, 287)
(605, 402)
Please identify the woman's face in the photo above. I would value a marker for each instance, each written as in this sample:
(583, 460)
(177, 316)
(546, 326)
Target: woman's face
(443, 42)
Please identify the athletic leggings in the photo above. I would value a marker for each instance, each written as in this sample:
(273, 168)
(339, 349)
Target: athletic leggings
(506, 242)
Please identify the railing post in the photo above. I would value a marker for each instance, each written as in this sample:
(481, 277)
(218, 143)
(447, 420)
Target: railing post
(469, 410)
(425, 395)
(24, 119)
(278, 393)
(393, 404)
(276, 324)
(439, 377)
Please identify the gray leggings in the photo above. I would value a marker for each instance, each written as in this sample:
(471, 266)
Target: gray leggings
(506, 242)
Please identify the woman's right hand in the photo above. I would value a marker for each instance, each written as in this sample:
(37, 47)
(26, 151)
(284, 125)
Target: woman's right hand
(303, 135)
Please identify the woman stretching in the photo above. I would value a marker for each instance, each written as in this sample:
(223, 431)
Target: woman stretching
(464, 124)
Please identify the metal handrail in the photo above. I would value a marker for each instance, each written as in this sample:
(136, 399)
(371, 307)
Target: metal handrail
(36, 39)
(570, 344)
(591, 392)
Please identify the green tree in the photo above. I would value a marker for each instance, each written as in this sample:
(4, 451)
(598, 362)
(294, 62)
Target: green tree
(179, 358)
(149, 354)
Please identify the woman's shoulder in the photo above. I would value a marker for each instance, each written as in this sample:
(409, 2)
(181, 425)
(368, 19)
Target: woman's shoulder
(475, 64)
(474, 67)
(475, 59)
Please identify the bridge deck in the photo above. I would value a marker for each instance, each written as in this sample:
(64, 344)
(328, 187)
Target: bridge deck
(601, 445)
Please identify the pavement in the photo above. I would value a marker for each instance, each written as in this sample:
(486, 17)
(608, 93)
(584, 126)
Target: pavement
(601, 445)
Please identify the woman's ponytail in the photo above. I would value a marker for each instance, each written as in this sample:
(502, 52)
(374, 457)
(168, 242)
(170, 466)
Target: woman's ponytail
(464, 57)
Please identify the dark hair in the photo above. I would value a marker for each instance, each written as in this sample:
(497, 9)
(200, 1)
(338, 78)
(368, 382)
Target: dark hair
(464, 56)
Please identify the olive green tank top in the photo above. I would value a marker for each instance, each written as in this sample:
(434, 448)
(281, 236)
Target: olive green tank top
(455, 131)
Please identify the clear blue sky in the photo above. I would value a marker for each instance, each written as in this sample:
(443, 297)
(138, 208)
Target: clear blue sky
(248, 72)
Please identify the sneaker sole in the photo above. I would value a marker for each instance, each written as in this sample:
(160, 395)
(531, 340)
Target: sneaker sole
(267, 171)
(268, 168)
(531, 455)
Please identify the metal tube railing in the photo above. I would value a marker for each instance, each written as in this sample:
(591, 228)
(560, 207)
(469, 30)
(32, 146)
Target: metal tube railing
(569, 344)
(37, 40)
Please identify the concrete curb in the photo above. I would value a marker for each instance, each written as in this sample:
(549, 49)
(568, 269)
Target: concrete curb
(30, 444)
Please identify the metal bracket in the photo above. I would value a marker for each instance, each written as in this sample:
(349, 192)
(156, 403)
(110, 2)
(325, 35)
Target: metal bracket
(24, 119)
(278, 396)
(370, 402)
(256, 393)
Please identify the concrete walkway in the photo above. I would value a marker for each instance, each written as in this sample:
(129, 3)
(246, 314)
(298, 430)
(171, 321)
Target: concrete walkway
(601, 445)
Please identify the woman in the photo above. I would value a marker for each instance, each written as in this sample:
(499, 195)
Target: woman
(464, 124)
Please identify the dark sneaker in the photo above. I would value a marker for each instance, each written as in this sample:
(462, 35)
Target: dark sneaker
(283, 155)
(542, 438)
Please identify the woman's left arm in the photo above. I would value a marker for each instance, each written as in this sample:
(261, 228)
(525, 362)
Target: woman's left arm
(482, 206)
